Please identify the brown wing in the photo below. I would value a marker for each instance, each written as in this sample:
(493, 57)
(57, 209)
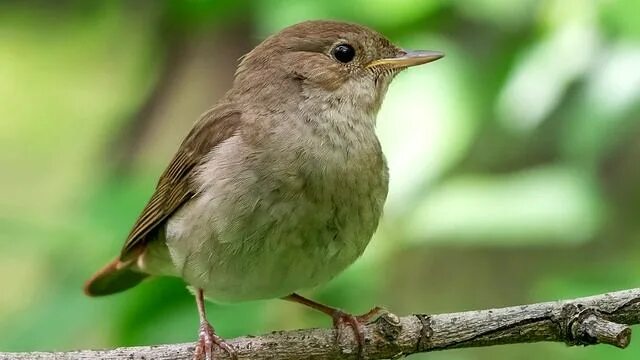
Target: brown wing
(175, 185)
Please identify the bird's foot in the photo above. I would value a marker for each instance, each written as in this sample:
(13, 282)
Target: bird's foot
(206, 342)
(356, 323)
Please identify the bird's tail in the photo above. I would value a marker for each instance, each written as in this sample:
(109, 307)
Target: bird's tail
(114, 277)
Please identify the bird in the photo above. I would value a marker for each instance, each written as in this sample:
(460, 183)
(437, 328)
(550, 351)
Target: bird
(280, 185)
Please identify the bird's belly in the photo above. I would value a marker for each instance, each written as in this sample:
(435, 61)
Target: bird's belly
(277, 249)
(253, 234)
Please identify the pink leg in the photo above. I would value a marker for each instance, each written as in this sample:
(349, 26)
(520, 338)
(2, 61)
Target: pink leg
(340, 317)
(207, 336)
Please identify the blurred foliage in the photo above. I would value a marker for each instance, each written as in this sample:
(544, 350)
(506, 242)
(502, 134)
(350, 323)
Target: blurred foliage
(514, 160)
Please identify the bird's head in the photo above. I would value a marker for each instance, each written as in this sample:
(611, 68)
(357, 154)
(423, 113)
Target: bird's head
(326, 59)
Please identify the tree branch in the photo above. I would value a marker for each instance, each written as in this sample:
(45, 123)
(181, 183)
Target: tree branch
(583, 321)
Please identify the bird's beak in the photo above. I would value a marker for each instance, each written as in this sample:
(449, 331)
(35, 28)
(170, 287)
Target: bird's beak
(406, 58)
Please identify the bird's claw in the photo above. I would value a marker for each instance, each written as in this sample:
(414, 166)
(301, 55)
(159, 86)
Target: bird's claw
(206, 342)
(356, 323)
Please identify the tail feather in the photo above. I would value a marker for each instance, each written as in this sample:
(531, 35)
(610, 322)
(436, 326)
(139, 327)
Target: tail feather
(114, 277)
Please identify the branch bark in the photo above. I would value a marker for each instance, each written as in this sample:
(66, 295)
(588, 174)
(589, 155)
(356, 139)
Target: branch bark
(583, 321)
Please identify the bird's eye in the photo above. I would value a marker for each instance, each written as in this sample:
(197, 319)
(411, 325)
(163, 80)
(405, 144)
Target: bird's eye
(344, 53)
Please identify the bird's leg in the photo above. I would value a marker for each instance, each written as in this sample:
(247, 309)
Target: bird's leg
(340, 317)
(207, 336)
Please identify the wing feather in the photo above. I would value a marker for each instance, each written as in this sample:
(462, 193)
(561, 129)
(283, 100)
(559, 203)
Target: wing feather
(175, 186)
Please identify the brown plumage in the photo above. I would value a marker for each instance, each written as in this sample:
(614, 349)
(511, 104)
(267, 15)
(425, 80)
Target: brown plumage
(281, 185)
(174, 188)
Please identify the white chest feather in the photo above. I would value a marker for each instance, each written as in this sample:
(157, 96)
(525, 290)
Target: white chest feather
(267, 223)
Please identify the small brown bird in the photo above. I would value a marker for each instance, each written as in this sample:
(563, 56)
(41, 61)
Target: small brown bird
(280, 186)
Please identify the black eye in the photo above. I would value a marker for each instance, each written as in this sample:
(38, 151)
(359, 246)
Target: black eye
(344, 53)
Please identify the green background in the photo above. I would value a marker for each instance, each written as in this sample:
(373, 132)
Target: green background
(514, 160)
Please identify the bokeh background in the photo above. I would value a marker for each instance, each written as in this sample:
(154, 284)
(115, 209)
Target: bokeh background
(514, 161)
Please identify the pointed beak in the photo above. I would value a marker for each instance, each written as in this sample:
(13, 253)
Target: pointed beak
(406, 58)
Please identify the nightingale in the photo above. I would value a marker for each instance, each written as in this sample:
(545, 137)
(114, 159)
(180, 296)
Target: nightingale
(280, 185)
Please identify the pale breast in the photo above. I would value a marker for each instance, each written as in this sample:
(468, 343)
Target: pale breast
(266, 224)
